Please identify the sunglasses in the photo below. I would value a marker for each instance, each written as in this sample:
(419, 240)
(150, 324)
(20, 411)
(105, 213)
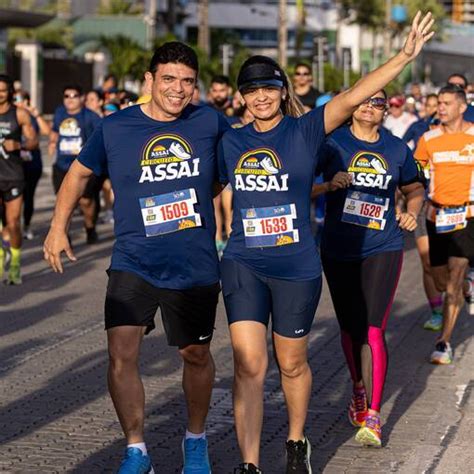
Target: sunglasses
(378, 103)
(71, 96)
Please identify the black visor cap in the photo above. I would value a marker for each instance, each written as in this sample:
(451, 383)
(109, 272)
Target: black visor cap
(262, 74)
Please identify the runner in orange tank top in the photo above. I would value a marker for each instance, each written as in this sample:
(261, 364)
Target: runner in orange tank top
(449, 151)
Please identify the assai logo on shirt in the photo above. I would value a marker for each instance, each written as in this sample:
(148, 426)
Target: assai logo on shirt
(370, 170)
(70, 128)
(70, 138)
(167, 157)
(259, 170)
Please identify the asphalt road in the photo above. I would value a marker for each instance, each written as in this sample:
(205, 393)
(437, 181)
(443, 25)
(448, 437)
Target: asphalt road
(56, 415)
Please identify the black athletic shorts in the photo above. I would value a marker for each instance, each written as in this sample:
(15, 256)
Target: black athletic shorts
(93, 187)
(362, 291)
(10, 190)
(188, 315)
(459, 243)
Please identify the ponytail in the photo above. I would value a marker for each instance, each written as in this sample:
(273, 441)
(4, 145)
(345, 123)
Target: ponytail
(291, 105)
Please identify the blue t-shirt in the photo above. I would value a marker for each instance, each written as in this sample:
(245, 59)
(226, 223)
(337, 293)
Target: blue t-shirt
(416, 130)
(360, 220)
(74, 130)
(271, 174)
(469, 114)
(32, 158)
(162, 176)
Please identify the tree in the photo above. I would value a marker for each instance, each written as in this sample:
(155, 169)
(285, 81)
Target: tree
(128, 58)
(369, 15)
(203, 26)
(119, 7)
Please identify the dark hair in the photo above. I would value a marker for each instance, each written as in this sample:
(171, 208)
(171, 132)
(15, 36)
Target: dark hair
(74, 87)
(291, 104)
(26, 96)
(111, 76)
(9, 82)
(98, 93)
(220, 79)
(174, 52)
(430, 96)
(458, 91)
(305, 65)
(461, 76)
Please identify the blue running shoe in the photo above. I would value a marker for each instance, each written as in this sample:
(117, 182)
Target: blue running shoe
(135, 462)
(195, 457)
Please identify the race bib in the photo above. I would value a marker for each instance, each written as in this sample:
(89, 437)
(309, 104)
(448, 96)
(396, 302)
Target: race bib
(450, 219)
(269, 226)
(70, 146)
(366, 210)
(169, 212)
(26, 155)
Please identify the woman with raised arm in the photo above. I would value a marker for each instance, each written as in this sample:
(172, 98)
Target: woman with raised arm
(271, 265)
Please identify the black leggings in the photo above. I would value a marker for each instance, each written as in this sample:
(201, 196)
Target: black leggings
(362, 292)
(32, 176)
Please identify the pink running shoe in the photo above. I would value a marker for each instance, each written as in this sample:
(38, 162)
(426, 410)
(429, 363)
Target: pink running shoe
(358, 407)
(370, 434)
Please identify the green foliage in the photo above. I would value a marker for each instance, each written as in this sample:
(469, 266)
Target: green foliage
(119, 7)
(334, 78)
(58, 35)
(368, 13)
(129, 59)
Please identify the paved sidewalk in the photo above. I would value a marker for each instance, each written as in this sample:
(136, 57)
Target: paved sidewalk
(56, 416)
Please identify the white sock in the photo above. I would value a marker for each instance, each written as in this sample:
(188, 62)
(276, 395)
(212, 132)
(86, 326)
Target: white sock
(190, 435)
(140, 446)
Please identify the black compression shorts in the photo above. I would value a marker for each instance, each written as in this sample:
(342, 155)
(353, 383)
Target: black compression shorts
(362, 291)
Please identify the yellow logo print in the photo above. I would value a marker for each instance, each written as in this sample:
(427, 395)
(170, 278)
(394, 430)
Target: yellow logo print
(284, 240)
(186, 224)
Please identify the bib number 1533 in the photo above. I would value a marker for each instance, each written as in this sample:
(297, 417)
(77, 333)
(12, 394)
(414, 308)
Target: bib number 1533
(269, 226)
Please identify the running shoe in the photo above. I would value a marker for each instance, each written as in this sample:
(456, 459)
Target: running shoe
(195, 457)
(135, 462)
(469, 291)
(443, 354)
(267, 164)
(14, 275)
(435, 323)
(178, 150)
(28, 234)
(358, 407)
(92, 237)
(2, 262)
(370, 434)
(298, 454)
(247, 468)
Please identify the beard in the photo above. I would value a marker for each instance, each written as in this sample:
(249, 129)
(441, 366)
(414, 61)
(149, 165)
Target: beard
(220, 102)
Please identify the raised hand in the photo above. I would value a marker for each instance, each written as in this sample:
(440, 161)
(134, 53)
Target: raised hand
(420, 34)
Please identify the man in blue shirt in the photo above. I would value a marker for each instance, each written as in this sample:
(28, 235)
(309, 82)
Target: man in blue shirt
(161, 160)
(73, 125)
(461, 81)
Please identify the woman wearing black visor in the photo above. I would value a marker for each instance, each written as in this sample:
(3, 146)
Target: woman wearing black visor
(271, 265)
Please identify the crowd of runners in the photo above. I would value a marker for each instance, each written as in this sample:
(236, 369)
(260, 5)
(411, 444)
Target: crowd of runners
(259, 191)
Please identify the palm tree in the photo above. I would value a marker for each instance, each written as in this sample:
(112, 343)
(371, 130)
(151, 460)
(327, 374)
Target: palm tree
(203, 27)
(128, 58)
(282, 33)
